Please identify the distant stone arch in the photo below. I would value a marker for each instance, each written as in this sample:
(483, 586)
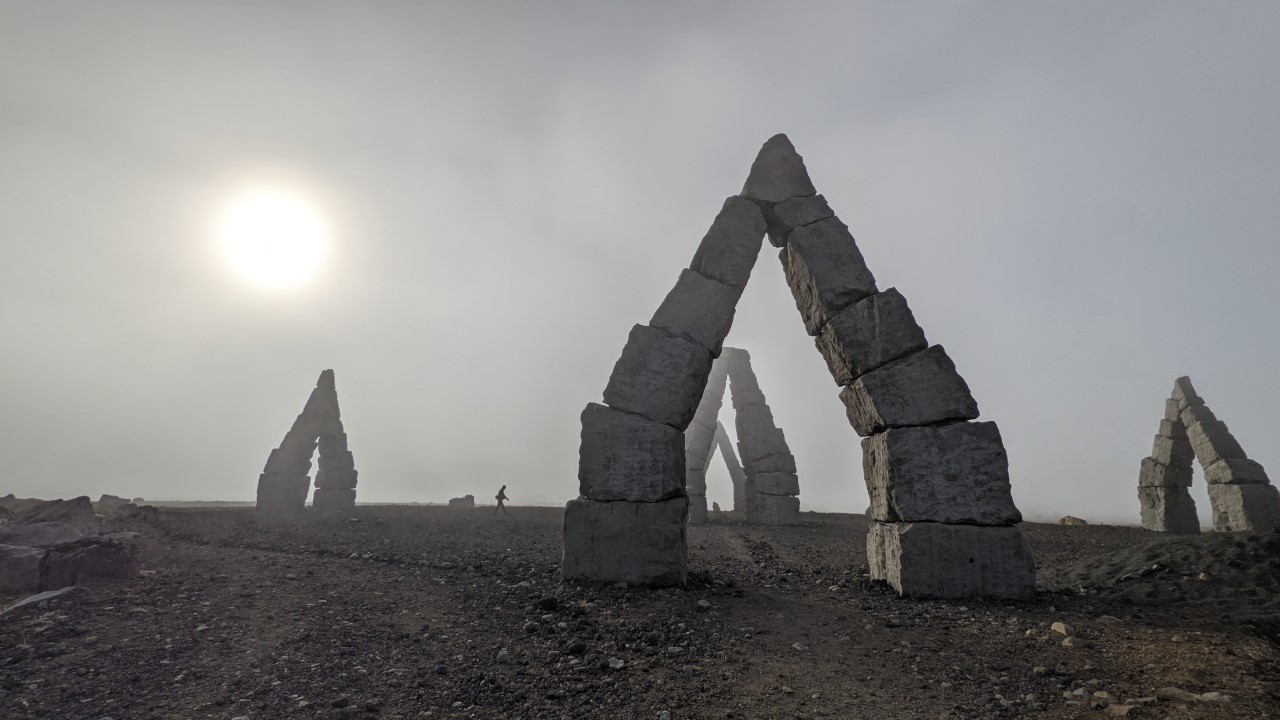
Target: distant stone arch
(285, 481)
(1241, 496)
(945, 521)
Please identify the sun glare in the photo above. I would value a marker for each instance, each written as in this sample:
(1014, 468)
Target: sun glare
(274, 239)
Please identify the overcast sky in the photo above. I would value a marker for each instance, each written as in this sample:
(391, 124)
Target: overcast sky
(1079, 200)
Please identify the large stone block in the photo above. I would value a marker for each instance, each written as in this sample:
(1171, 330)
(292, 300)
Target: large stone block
(951, 561)
(660, 376)
(282, 494)
(1173, 429)
(920, 389)
(698, 440)
(783, 462)
(333, 444)
(76, 512)
(695, 482)
(825, 271)
(336, 500)
(638, 543)
(337, 479)
(777, 483)
(788, 215)
(1245, 508)
(1213, 442)
(754, 446)
(697, 509)
(1156, 474)
(699, 309)
(774, 509)
(951, 473)
(287, 462)
(1230, 471)
(1173, 451)
(1185, 394)
(742, 398)
(626, 457)
(1168, 509)
(729, 250)
(39, 534)
(20, 568)
(869, 333)
(1172, 410)
(778, 173)
(1193, 414)
(337, 461)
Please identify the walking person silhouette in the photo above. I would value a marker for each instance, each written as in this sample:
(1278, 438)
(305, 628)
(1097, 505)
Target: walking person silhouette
(502, 495)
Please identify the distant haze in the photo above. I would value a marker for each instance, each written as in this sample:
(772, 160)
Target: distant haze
(1078, 200)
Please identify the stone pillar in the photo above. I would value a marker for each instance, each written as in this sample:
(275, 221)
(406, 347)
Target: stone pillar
(736, 474)
(628, 523)
(699, 442)
(1241, 496)
(1165, 476)
(770, 485)
(945, 522)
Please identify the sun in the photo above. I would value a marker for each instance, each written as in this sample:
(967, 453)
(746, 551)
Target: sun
(274, 239)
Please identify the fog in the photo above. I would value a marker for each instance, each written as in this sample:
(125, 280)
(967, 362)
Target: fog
(1077, 199)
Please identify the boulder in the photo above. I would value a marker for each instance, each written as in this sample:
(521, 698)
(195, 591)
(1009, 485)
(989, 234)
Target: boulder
(1072, 520)
(639, 543)
(108, 503)
(951, 561)
(76, 512)
(919, 389)
(1251, 508)
(1156, 474)
(699, 309)
(20, 568)
(39, 535)
(1168, 509)
(778, 173)
(148, 514)
(1233, 471)
(659, 376)
(825, 271)
(89, 558)
(875, 330)
(466, 501)
(955, 474)
(627, 457)
(729, 250)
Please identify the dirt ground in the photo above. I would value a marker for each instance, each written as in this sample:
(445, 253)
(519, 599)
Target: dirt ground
(426, 612)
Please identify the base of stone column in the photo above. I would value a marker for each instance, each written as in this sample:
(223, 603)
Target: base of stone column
(950, 561)
(775, 510)
(334, 500)
(639, 543)
(282, 495)
(1245, 508)
(697, 509)
(1169, 509)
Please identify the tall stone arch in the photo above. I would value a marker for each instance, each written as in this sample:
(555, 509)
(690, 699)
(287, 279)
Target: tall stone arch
(945, 521)
(285, 481)
(1241, 496)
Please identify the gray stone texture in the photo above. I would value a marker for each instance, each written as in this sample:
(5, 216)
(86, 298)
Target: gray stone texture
(1168, 509)
(76, 512)
(337, 479)
(951, 474)
(20, 568)
(1213, 442)
(39, 534)
(334, 500)
(1230, 471)
(778, 173)
(774, 510)
(919, 389)
(639, 543)
(695, 483)
(1193, 414)
(1251, 508)
(627, 457)
(1173, 451)
(869, 333)
(937, 560)
(729, 250)
(781, 462)
(659, 376)
(699, 309)
(1184, 394)
(777, 483)
(284, 483)
(1156, 474)
(1172, 428)
(788, 215)
(825, 271)
(736, 474)
(698, 441)
(697, 509)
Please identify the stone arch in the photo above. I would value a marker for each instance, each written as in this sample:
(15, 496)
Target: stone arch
(945, 521)
(1241, 497)
(769, 484)
(285, 481)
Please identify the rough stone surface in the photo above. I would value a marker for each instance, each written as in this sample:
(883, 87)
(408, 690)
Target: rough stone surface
(698, 441)
(788, 215)
(1184, 394)
(1156, 474)
(1168, 509)
(1245, 508)
(1173, 411)
(20, 568)
(39, 535)
(825, 271)
(920, 389)
(729, 250)
(110, 502)
(775, 510)
(736, 474)
(778, 173)
(695, 483)
(659, 376)
(698, 308)
(1213, 442)
(697, 509)
(869, 333)
(337, 479)
(466, 501)
(951, 561)
(1193, 414)
(73, 562)
(638, 543)
(777, 483)
(755, 445)
(952, 474)
(781, 462)
(284, 483)
(1235, 471)
(281, 495)
(76, 512)
(1173, 429)
(334, 500)
(1172, 451)
(627, 457)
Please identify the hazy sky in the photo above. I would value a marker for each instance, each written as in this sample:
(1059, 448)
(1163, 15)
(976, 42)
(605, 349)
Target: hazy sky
(1079, 200)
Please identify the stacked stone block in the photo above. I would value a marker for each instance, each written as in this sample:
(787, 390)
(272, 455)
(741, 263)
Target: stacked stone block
(771, 486)
(945, 521)
(285, 482)
(628, 523)
(1164, 479)
(737, 475)
(699, 441)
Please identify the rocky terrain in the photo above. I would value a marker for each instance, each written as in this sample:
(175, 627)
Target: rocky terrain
(433, 612)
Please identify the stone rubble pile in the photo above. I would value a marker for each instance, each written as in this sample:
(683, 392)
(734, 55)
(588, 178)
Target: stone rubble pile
(285, 480)
(945, 522)
(1241, 496)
